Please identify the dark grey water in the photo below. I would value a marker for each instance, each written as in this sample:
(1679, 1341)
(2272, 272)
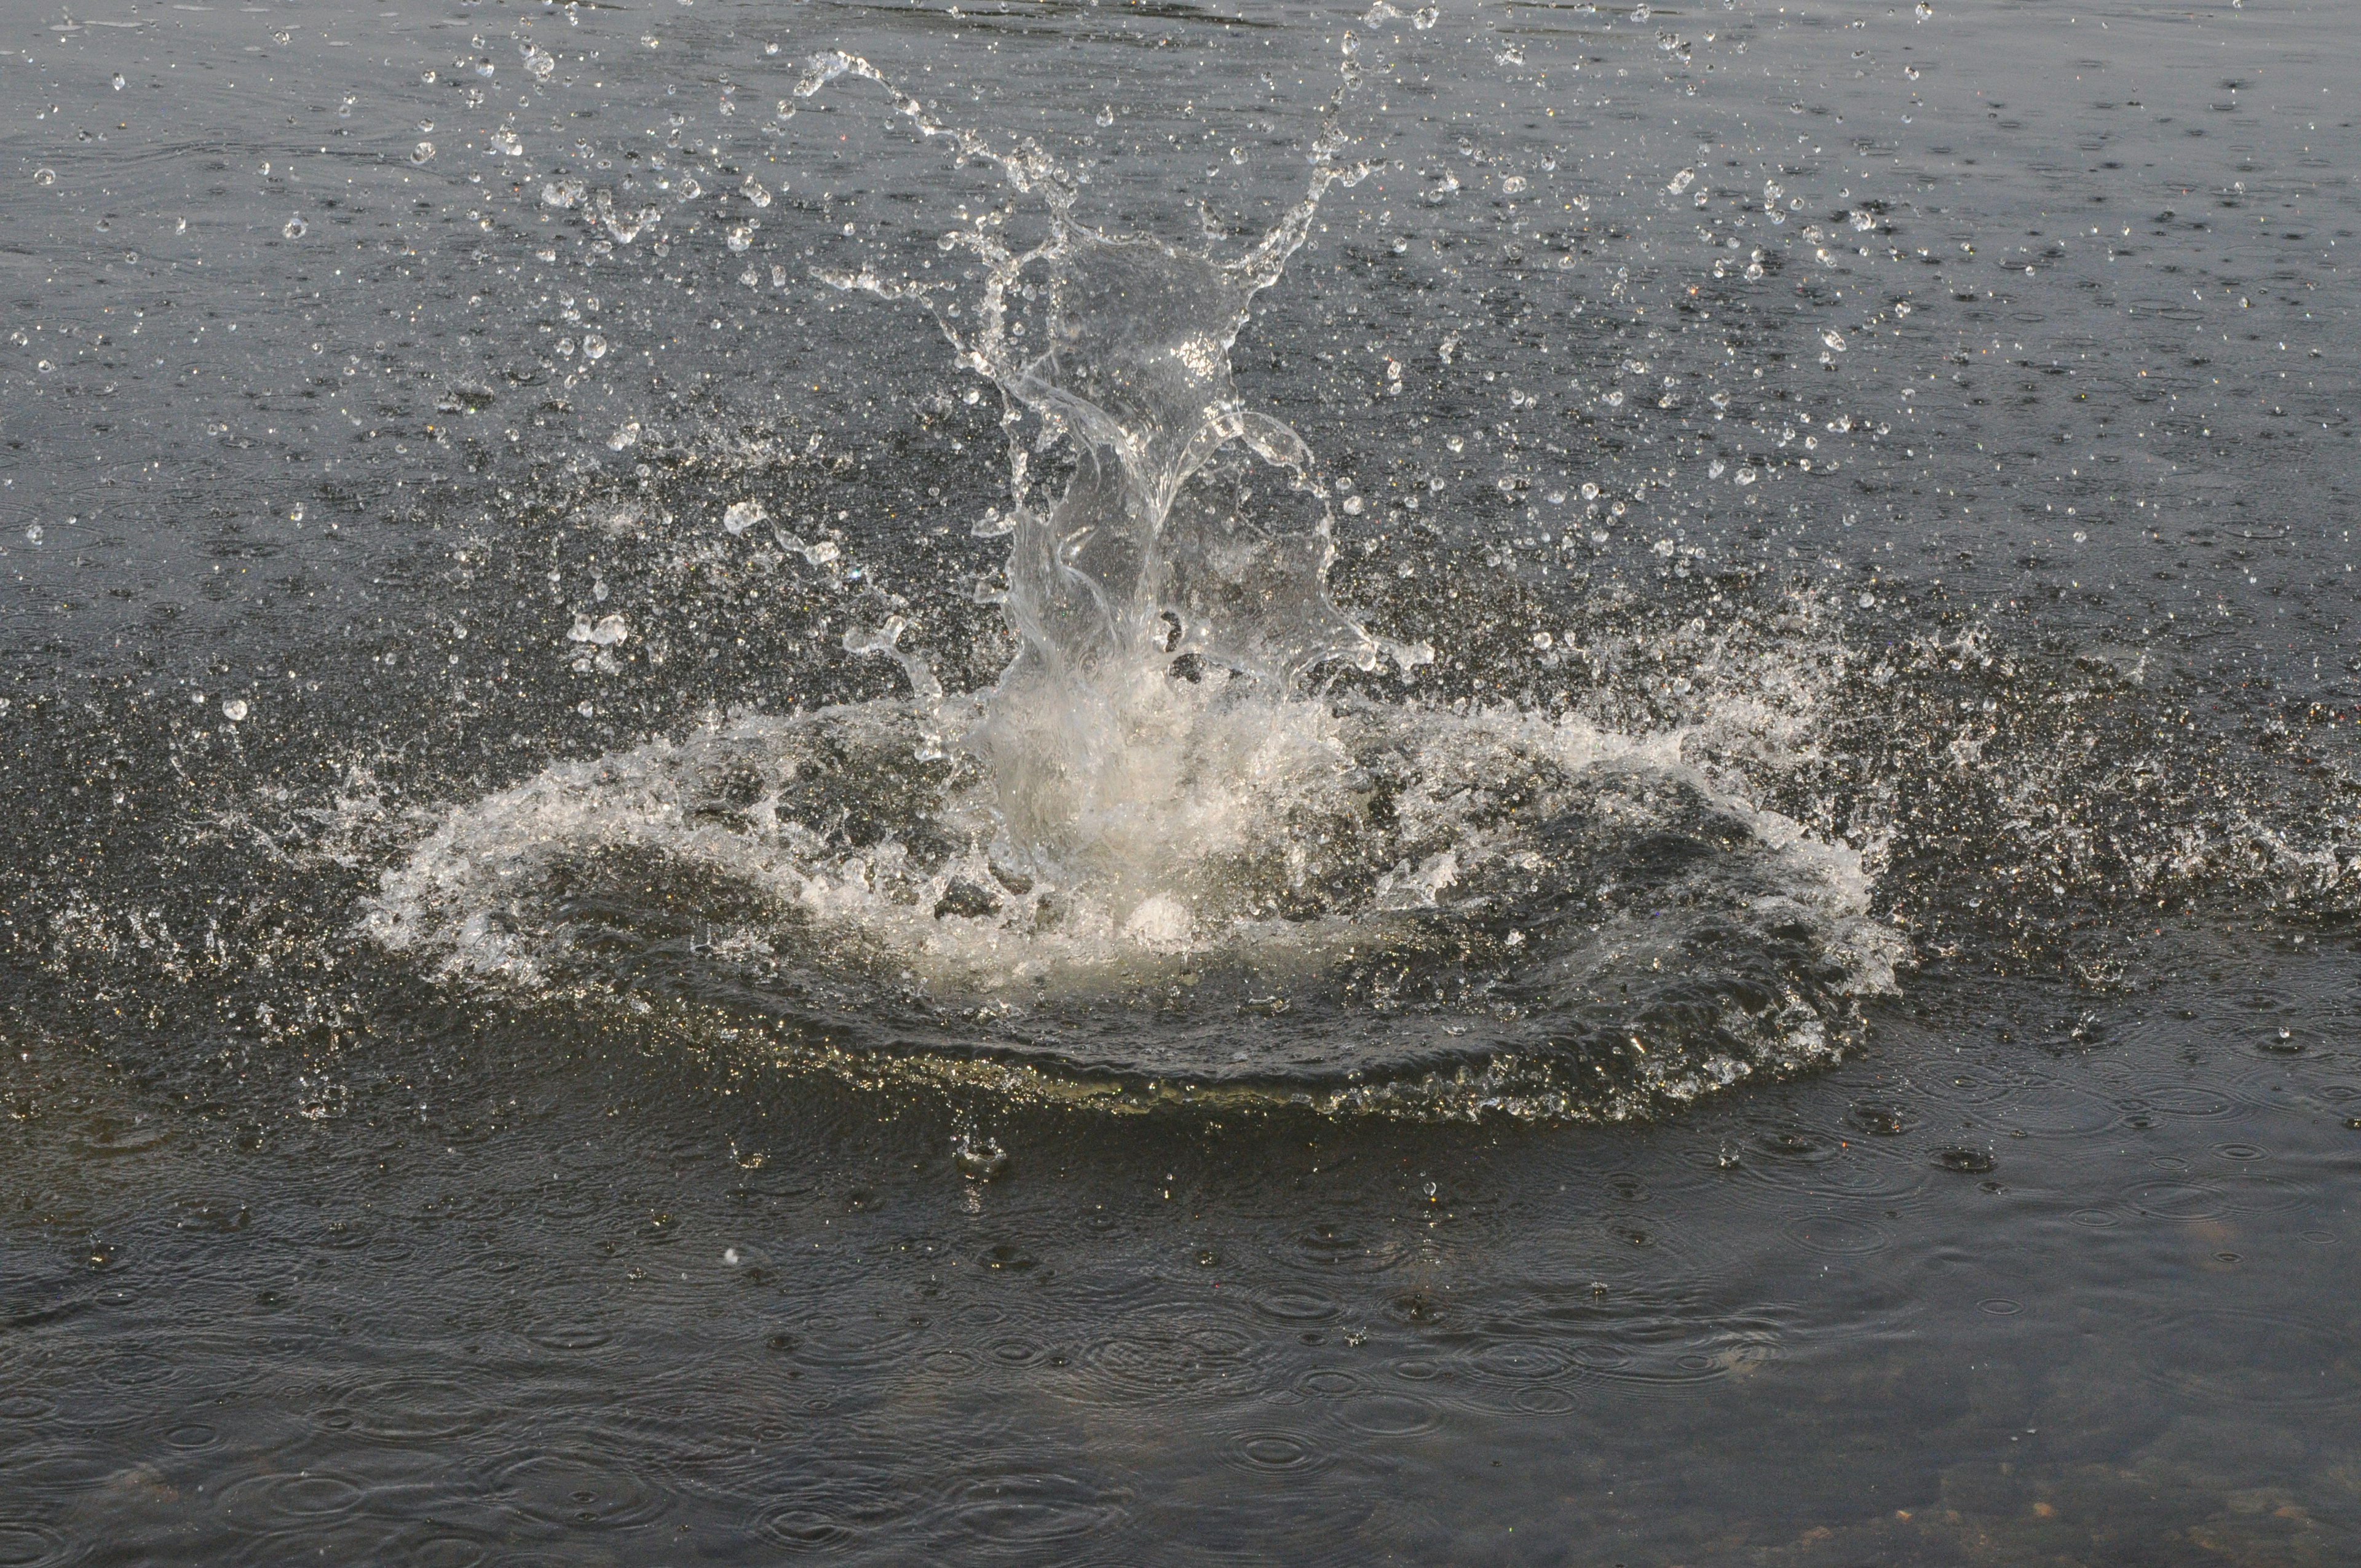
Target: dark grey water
(1819, 1028)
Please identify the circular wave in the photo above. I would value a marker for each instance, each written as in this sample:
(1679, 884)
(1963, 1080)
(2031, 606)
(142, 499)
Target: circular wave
(1361, 905)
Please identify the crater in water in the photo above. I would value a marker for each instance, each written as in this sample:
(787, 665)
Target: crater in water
(1316, 898)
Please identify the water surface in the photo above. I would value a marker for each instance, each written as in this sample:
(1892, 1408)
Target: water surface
(1689, 902)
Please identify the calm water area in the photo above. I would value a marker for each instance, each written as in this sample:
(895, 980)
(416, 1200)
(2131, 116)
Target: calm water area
(1076, 782)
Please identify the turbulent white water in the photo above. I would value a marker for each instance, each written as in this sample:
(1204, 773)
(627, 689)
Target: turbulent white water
(1152, 848)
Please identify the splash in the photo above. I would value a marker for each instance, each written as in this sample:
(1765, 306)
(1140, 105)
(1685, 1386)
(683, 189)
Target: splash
(1155, 851)
(1189, 526)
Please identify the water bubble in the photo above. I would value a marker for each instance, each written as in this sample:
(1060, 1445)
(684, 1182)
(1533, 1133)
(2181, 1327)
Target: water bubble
(423, 153)
(978, 1158)
(593, 346)
(45, 176)
(296, 228)
(605, 632)
(234, 710)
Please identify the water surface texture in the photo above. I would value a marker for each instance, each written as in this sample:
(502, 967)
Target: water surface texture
(1527, 782)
